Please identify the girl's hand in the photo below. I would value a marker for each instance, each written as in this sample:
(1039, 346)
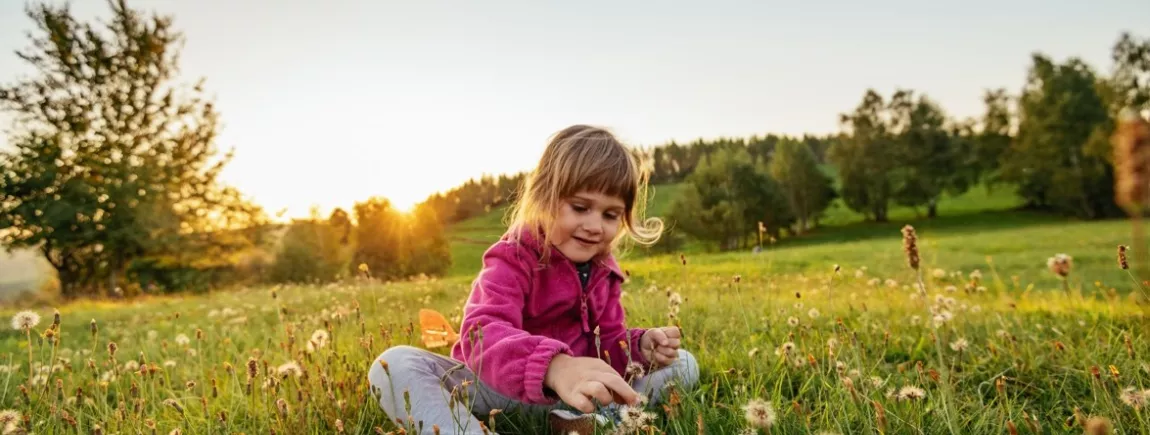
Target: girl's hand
(579, 380)
(661, 345)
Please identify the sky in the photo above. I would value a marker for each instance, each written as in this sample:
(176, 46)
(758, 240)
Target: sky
(329, 103)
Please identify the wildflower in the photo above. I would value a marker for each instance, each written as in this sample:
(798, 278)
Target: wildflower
(753, 352)
(938, 273)
(910, 246)
(785, 348)
(891, 283)
(832, 343)
(8, 416)
(813, 313)
(132, 365)
(793, 321)
(1122, 257)
(634, 418)
(169, 364)
(319, 338)
(910, 392)
(1134, 398)
(876, 381)
(1097, 426)
(873, 282)
(635, 371)
(959, 345)
(759, 413)
(675, 299)
(25, 320)
(289, 368)
(915, 319)
(1060, 264)
(183, 340)
(951, 289)
(860, 273)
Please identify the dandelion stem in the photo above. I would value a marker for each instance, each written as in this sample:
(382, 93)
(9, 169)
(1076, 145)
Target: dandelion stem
(1138, 285)
(28, 335)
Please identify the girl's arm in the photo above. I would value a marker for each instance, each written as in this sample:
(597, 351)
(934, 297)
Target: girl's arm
(493, 343)
(613, 329)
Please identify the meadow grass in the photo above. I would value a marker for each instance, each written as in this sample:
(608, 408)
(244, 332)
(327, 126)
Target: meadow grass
(860, 350)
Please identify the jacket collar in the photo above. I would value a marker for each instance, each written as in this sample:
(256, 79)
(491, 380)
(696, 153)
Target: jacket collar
(528, 240)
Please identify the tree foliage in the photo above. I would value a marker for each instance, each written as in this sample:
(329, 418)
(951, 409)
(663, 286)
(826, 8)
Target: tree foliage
(808, 191)
(114, 164)
(725, 199)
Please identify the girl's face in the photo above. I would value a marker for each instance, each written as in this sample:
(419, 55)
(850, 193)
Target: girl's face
(586, 225)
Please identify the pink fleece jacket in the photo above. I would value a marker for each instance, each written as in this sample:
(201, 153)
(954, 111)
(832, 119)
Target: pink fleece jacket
(521, 314)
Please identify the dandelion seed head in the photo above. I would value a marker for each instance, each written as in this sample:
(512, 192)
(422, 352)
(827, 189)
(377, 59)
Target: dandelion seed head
(759, 413)
(959, 345)
(9, 416)
(813, 313)
(910, 392)
(1134, 398)
(183, 340)
(290, 368)
(793, 321)
(25, 320)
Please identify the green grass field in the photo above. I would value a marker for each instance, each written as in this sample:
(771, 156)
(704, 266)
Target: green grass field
(844, 353)
(997, 344)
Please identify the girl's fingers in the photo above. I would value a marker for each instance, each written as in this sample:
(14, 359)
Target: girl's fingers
(668, 353)
(597, 391)
(673, 343)
(580, 402)
(620, 387)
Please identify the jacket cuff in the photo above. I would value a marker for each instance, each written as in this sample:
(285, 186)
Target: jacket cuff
(637, 346)
(536, 369)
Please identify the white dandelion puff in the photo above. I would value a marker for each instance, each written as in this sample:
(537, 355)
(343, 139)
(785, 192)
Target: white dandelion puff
(25, 320)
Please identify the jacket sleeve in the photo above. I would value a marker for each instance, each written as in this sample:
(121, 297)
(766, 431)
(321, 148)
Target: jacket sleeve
(493, 343)
(613, 331)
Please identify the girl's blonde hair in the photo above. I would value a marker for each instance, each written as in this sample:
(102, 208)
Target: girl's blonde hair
(584, 158)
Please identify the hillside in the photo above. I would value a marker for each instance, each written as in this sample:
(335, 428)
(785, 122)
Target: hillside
(976, 210)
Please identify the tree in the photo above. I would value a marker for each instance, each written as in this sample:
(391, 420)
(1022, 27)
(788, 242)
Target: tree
(114, 163)
(429, 250)
(380, 241)
(926, 157)
(864, 155)
(994, 138)
(808, 191)
(313, 250)
(725, 199)
(1059, 160)
(1131, 77)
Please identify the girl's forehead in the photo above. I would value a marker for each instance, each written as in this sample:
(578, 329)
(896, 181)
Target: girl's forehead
(599, 197)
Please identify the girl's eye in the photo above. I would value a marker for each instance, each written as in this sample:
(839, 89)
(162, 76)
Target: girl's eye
(578, 208)
(611, 216)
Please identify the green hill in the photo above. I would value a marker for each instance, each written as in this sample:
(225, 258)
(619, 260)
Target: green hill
(976, 210)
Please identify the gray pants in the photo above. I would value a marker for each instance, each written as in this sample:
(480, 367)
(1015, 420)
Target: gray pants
(439, 395)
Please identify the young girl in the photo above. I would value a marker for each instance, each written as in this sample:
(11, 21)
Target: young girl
(544, 326)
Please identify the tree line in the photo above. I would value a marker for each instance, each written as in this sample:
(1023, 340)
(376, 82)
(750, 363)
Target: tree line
(1050, 142)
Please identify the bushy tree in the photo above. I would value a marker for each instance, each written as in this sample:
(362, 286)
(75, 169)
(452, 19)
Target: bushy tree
(865, 156)
(1059, 160)
(114, 163)
(725, 198)
(313, 249)
(808, 191)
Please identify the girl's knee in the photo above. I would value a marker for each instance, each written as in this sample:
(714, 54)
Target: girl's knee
(398, 358)
(687, 368)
